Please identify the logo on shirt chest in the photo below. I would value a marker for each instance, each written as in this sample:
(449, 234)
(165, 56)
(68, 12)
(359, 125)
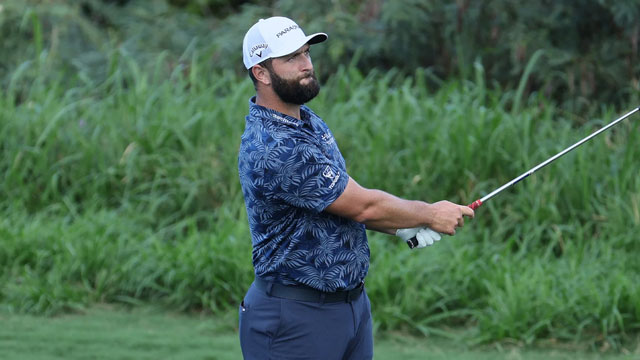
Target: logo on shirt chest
(328, 139)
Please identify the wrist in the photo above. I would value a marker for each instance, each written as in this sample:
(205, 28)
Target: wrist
(428, 212)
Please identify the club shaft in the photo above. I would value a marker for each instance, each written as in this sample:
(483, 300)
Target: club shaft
(556, 156)
(413, 242)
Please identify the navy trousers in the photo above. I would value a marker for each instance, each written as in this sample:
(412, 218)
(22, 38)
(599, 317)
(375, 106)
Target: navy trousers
(273, 328)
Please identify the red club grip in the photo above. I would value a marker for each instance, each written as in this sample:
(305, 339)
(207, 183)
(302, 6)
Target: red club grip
(476, 204)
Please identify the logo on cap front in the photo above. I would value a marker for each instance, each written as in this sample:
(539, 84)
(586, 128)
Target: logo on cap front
(286, 30)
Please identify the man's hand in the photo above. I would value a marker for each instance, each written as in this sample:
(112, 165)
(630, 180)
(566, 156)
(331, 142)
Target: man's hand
(425, 236)
(447, 216)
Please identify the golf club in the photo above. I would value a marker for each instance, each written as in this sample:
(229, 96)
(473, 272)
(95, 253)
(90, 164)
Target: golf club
(413, 242)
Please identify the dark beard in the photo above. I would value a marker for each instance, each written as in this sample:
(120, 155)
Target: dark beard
(292, 92)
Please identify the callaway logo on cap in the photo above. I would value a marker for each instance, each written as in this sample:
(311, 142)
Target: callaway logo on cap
(274, 37)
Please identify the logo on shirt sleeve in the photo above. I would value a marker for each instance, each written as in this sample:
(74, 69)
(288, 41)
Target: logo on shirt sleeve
(330, 174)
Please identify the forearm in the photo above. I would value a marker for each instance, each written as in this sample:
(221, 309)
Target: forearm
(386, 213)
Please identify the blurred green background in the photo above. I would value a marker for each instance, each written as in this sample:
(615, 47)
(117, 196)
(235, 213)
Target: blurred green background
(120, 124)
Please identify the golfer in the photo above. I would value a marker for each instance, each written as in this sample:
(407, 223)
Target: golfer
(307, 215)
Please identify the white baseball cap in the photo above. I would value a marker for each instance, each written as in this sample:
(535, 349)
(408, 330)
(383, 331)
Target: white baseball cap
(274, 37)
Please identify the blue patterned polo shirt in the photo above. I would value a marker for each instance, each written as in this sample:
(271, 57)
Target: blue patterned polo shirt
(290, 171)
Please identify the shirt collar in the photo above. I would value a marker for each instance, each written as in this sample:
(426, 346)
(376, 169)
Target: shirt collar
(260, 111)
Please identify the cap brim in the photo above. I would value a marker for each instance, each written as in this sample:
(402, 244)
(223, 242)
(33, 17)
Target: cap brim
(311, 39)
(316, 38)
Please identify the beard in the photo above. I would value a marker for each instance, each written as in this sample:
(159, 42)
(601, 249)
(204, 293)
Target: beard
(292, 92)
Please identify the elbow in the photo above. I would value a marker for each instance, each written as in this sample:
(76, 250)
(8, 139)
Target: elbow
(360, 218)
(369, 211)
(367, 215)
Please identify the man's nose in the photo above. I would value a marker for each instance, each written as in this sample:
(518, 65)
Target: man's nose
(306, 64)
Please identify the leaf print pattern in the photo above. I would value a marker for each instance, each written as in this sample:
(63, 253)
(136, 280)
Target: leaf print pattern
(290, 170)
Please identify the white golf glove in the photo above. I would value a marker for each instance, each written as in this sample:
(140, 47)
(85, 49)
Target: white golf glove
(424, 235)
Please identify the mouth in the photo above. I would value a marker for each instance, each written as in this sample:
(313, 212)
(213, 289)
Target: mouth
(308, 78)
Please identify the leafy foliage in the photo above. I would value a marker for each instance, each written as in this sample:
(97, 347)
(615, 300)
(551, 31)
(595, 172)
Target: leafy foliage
(127, 192)
(588, 50)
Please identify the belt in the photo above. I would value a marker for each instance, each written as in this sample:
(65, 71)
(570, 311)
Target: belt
(305, 293)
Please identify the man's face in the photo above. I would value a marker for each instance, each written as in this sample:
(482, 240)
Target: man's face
(299, 85)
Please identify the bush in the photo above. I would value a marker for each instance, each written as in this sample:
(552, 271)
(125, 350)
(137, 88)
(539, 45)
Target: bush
(586, 52)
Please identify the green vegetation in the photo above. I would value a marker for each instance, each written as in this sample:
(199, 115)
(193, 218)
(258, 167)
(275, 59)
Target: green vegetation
(587, 52)
(107, 333)
(131, 195)
(119, 182)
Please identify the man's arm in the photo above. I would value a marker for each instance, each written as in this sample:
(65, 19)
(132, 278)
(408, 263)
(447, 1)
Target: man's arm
(384, 212)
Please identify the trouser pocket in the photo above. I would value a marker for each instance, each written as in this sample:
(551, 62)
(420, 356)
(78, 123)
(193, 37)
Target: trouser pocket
(259, 318)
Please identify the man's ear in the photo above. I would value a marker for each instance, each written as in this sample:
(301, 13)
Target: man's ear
(261, 74)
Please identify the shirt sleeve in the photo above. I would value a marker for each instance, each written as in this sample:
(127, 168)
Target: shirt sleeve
(301, 175)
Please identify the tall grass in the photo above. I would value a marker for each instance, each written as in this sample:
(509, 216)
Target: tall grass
(126, 191)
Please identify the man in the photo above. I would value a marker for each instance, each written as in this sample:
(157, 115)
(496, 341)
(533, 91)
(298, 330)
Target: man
(307, 216)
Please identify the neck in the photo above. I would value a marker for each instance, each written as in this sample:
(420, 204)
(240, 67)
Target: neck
(272, 101)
